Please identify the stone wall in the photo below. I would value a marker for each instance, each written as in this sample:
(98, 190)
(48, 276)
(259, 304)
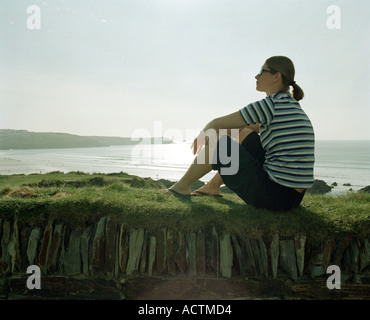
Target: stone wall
(109, 261)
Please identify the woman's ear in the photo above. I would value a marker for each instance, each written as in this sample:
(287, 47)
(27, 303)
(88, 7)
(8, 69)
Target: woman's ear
(278, 76)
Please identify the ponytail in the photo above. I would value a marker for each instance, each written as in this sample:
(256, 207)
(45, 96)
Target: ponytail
(286, 67)
(297, 93)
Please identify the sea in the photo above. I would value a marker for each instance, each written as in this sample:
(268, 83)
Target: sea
(345, 164)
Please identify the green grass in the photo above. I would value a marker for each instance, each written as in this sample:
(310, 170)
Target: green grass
(79, 199)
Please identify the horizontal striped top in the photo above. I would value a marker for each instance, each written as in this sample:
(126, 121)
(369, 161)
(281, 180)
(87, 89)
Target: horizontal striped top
(287, 135)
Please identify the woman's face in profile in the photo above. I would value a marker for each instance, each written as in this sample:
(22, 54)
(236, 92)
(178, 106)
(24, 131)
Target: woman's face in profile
(265, 79)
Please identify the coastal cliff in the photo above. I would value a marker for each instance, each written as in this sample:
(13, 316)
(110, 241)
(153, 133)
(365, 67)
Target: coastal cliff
(23, 139)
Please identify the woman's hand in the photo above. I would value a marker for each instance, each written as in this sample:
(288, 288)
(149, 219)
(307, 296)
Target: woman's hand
(199, 142)
(231, 121)
(202, 139)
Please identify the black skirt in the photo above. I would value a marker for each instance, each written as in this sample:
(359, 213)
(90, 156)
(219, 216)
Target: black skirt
(250, 181)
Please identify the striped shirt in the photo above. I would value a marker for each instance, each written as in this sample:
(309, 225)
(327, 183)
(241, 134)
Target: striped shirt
(287, 136)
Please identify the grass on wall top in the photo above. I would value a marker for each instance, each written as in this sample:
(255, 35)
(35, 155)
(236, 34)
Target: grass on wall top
(80, 199)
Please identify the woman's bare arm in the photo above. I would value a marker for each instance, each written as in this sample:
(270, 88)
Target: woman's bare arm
(230, 121)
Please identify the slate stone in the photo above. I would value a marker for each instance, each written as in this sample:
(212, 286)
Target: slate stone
(212, 251)
(239, 255)
(300, 241)
(55, 247)
(1, 235)
(319, 261)
(72, 259)
(45, 245)
(85, 249)
(180, 255)
(260, 256)
(170, 256)
(341, 247)
(14, 248)
(288, 261)
(98, 249)
(33, 244)
(134, 252)
(152, 254)
(191, 253)
(161, 251)
(5, 259)
(226, 255)
(352, 257)
(123, 248)
(201, 253)
(110, 246)
(143, 257)
(256, 256)
(264, 257)
(364, 254)
(251, 268)
(6, 234)
(274, 255)
(116, 254)
(23, 241)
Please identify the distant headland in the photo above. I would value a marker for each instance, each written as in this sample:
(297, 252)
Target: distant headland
(23, 139)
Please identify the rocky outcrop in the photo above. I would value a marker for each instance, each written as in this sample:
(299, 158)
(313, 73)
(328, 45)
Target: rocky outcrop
(108, 261)
(319, 187)
(365, 189)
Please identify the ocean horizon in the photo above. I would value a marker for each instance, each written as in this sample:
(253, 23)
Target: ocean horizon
(343, 162)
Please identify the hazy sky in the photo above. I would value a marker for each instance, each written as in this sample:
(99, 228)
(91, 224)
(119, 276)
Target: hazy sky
(111, 67)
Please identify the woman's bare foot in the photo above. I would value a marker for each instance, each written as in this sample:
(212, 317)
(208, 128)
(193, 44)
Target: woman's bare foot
(208, 189)
(178, 188)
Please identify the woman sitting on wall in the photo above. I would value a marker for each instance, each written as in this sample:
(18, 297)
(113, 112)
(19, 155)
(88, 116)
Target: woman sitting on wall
(274, 155)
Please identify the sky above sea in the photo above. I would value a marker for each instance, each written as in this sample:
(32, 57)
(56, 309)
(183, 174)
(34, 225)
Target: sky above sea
(115, 67)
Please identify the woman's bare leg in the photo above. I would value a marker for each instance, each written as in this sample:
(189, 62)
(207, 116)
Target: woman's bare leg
(213, 186)
(198, 170)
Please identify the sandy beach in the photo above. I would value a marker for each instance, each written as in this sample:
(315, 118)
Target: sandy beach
(10, 166)
(7, 164)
